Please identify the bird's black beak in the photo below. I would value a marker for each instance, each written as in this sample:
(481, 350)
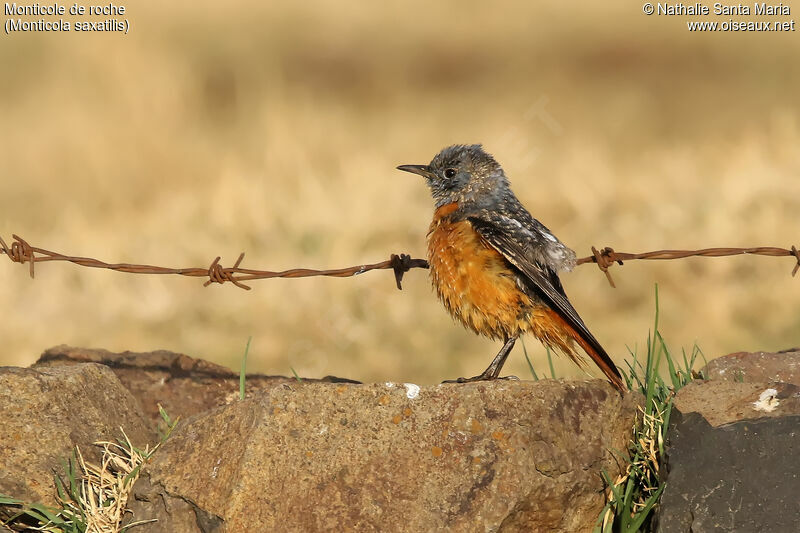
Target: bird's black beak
(423, 170)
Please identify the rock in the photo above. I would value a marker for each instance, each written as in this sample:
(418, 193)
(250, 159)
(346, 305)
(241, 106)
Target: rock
(184, 386)
(501, 456)
(722, 402)
(741, 477)
(46, 412)
(758, 367)
(730, 459)
(172, 514)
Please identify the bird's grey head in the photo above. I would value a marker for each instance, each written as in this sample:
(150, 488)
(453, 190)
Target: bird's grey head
(463, 174)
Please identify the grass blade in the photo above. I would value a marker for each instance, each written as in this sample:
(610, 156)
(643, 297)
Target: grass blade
(550, 362)
(528, 359)
(243, 369)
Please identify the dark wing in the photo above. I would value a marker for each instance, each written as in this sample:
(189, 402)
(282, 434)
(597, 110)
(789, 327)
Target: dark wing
(506, 239)
(522, 247)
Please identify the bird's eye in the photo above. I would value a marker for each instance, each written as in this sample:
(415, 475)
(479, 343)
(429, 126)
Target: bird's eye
(449, 172)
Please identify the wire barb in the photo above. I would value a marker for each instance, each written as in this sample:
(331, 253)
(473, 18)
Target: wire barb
(22, 252)
(604, 259)
(217, 274)
(403, 263)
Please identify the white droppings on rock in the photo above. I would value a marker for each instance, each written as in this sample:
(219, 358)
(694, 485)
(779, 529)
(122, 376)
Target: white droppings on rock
(767, 401)
(412, 390)
(389, 385)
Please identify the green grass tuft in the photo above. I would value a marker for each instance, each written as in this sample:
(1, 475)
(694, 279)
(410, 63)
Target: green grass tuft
(632, 497)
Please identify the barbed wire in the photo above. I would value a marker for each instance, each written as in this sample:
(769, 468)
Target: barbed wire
(22, 252)
(607, 256)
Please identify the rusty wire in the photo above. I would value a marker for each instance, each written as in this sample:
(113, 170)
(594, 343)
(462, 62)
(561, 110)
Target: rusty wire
(22, 252)
(607, 256)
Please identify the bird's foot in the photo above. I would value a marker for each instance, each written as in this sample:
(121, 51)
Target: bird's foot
(480, 377)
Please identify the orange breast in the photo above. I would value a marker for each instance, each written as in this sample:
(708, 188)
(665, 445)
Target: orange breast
(478, 288)
(474, 281)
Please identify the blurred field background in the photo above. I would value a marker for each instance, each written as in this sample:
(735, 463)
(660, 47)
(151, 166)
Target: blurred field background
(274, 128)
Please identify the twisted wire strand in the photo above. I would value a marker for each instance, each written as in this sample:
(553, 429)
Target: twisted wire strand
(22, 252)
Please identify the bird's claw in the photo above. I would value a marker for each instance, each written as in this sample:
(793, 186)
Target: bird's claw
(480, 377)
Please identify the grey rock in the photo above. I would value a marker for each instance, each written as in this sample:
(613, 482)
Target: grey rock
(742, 477)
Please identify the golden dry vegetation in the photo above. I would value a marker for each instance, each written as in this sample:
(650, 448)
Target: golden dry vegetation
(274, 128)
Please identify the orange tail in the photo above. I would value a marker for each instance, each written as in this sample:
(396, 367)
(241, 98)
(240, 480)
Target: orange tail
(597, 354)
(589, 344)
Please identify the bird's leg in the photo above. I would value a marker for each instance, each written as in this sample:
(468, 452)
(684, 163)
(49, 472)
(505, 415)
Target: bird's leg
(493, 371)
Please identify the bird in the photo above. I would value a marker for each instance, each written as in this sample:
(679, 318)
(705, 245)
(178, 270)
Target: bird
(495, 267)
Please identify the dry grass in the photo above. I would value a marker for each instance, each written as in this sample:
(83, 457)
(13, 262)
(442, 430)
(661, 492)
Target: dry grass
(275, 129)
(644, 468)
(92, 497)
(105, 488)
